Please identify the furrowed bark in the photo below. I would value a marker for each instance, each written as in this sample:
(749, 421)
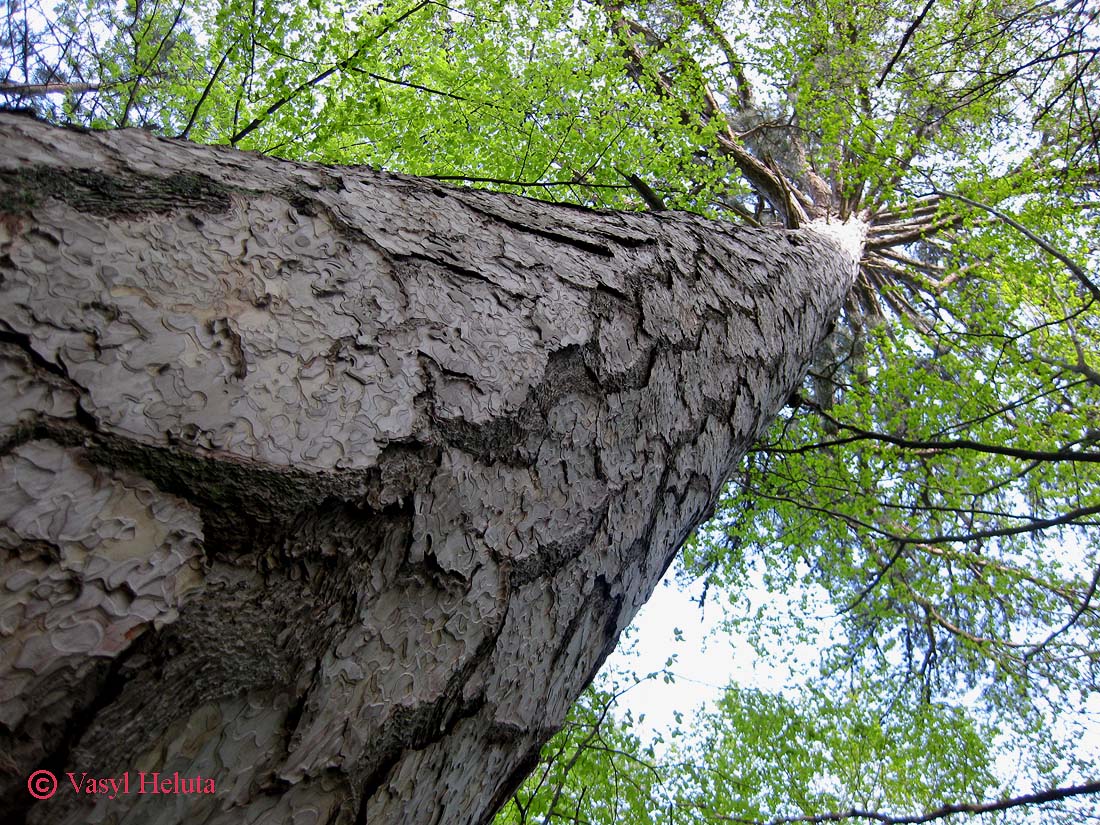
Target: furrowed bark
(336, 487)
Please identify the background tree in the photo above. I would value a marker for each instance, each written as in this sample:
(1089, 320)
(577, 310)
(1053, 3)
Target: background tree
(936, 478)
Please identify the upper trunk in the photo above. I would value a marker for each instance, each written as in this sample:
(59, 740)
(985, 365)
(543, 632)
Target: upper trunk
(336, 487)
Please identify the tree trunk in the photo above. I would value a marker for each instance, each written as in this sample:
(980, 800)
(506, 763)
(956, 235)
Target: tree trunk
(335, 487)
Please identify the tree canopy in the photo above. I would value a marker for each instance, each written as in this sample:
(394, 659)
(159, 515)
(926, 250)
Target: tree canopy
(933, 490)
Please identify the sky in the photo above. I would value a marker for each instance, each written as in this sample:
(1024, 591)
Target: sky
(708, 659)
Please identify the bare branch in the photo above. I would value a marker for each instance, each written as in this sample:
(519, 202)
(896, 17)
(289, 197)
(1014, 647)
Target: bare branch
(768, 181)
(206, 90)
(1077, 614)
(1040, 798)
(904, 41)
(43, 89)
(651, 198)
(860, 434)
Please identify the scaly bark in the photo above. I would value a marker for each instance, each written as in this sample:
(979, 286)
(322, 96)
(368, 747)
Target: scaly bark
(336, 487)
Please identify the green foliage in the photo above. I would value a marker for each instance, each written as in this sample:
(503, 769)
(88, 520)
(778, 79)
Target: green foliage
(926, 514)
(596, 769)
(761, 756)
(756, 757)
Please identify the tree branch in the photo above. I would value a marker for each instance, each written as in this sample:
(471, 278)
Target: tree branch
(1040, 798)
(904, 41)
(735, 64)
(1034, 524)
(769, 182)
(1073, 266)
(651, 198)
(1077, 614)
(43, 89)
(860, 434)
(318, 78)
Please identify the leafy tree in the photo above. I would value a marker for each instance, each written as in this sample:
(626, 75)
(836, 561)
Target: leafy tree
(935, 483)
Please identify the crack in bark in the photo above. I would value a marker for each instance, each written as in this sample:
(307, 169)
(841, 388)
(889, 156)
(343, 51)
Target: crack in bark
(110, 195)
(227, 489)
(111, 681)
(556, 235)
(503, 439)
(549, 558)
(432, 722)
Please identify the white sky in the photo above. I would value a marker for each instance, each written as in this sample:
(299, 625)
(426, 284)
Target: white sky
(706, 661)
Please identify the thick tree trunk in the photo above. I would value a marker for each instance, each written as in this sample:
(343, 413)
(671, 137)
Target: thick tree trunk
(336, 487)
